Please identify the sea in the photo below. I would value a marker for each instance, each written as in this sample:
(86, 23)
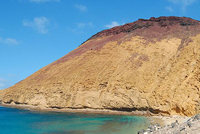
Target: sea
(19, 121)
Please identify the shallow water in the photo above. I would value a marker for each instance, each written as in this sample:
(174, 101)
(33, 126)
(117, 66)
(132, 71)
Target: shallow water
(32, 122)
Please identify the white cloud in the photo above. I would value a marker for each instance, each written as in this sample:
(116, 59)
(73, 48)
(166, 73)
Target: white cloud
(169, 8)
(112, 24)
(83, 25)
(9, 41)
(81, 8)
(183, 3)
(39, 23)
(42, 1)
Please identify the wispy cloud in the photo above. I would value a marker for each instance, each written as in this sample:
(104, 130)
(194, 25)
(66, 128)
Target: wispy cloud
(2, 80)
(8, 80)
(182, 3)
(43, 1)
(81, 8)
(83, 25)
(80, 27)
(169, 8)
(9, 41)
(39, 23)
(2, 83)
(12, 75)
(75, 30)
(112, 24)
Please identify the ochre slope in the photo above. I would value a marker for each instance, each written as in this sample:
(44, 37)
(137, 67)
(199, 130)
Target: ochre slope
(1, 94)
(145, 65)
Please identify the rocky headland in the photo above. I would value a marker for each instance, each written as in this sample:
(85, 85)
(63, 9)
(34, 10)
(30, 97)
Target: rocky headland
(149, 66)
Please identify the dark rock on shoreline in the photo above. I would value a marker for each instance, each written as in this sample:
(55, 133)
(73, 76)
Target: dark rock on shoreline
(191, 126)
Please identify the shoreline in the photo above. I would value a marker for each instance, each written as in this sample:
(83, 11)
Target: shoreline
(157, 123)
(162, 120)
(86, 110)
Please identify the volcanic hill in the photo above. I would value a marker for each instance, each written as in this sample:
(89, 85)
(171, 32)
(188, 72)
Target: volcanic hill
(148, 65)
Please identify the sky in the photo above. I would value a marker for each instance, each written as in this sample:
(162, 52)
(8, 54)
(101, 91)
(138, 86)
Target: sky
(34, 33)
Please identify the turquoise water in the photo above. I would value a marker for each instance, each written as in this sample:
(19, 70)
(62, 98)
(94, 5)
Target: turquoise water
(16, 121)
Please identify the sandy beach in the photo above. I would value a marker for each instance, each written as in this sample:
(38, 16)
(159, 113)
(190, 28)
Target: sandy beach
(86, 110)
(167, 120)
(162, 120)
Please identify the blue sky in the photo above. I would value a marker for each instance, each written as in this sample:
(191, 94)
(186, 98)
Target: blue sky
(34, 33)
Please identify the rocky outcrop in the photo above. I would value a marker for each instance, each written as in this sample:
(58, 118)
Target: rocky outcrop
(169, 22)
(148, 65)
(190, 126)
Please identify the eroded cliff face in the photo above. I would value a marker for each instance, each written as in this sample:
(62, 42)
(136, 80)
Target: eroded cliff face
(145, 65)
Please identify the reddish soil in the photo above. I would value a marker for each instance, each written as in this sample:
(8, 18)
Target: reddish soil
(149, 29)
(90, 46)
(147, 23)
